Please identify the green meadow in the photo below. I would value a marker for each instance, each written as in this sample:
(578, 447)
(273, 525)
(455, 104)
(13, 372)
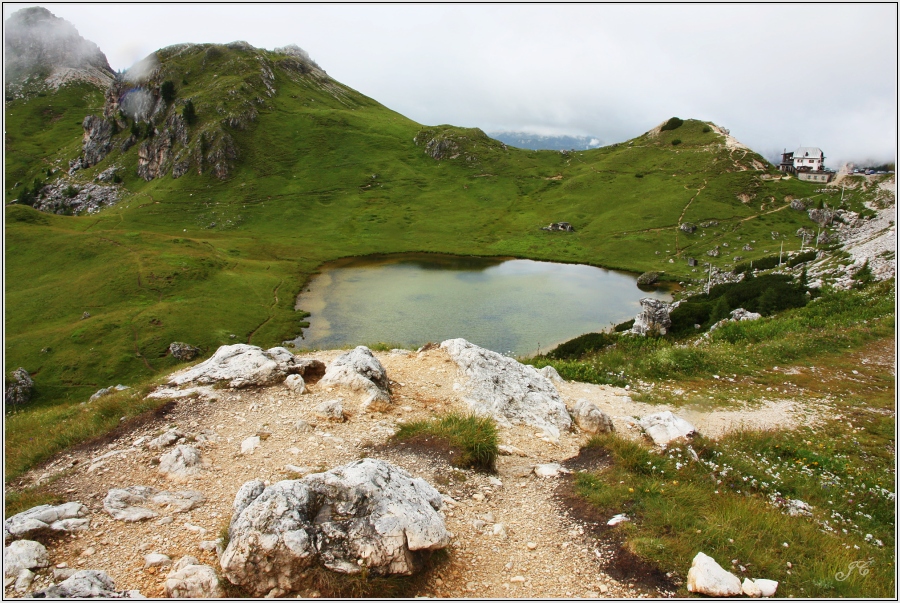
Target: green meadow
(323, 172)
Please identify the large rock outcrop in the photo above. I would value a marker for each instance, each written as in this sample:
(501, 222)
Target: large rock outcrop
(511, 392)
(240, 365)
(97, 139)
(155, 156)
(653, 317)
(360, 371)
(18, 388)
(67, 517)
(367, 514)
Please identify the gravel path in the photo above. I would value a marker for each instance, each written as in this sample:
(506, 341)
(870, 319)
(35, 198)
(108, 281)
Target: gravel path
(538, 551)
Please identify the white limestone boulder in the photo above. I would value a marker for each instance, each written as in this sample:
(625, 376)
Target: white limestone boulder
(178, 502)
(165, 440)
(124, 504)
(85, 584)
(591, 419)
(511, 392)
(181, 463)
(67, 517)
(189, 579)
(708, 578)
(367, 514)
(240, 365)
(749, 588)
(552, 374)
(664, 427)
(331, 410)
(296, 384)
(358, 370)
(24, 554)
(766, 587)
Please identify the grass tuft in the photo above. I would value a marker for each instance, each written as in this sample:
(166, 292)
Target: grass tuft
(730, 504)
(473, 437)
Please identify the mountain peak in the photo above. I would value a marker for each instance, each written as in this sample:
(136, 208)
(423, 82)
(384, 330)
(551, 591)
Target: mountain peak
(44, 50)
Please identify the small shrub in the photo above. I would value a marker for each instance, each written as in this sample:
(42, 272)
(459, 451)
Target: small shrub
(70, 191)
(624, 326)
(638, 175)
(167, 91)
(189, 113)
(673, 124)
(583, 344)
(707, 129)
(676, 142)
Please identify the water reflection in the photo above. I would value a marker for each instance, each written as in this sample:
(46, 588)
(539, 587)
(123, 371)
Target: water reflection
(506, 305)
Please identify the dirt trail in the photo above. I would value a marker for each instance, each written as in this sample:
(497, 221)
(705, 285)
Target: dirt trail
(546, 553)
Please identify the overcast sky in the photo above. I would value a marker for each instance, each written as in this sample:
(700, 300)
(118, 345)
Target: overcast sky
(776, 75)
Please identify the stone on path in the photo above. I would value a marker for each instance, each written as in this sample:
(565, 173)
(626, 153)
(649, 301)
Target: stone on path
(249, 445)
(708, 578)
(85, 584)
(296, 384)
(358, 370)
(330, 410)
(511, 392)
(156, 560)
(184, 462)
(189, 579)
(591, 419)
(124, 503)
(166, 439)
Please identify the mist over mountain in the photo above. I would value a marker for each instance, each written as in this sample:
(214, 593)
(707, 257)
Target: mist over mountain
(40, 48)
(536, 142)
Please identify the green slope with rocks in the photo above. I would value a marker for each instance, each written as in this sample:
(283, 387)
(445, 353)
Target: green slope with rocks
(192, 198)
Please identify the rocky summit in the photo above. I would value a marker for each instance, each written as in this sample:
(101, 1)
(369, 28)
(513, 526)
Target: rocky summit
(42, 50)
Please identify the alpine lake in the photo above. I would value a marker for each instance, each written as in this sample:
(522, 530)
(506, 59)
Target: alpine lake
(512, 306)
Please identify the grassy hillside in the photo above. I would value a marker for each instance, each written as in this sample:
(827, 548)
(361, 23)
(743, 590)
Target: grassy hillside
(323, 172)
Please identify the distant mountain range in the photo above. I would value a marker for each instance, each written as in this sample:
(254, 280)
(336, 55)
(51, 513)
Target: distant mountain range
(536, 142)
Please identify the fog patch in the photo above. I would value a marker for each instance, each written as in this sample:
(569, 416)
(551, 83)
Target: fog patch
(37, 39)
(142, 70)
(137, 104)
(295, 51)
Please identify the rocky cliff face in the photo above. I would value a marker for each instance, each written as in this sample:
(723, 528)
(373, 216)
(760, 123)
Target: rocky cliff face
(41, 50)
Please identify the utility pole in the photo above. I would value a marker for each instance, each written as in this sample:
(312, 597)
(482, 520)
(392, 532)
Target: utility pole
(709, 279)
(780, 253)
